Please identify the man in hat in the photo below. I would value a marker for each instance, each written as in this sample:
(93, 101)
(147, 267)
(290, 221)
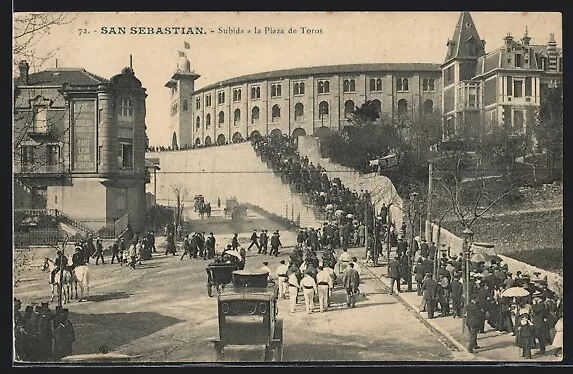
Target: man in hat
(309, 289)
(45, 334)
(294, 275)
(235, 242)
(394, 274)
(122, 249)
(424, 248)
(351, 281)
(254, 241)
(264, 238)
(61, 261)
(32, 331)
(275, 244)
(484, 299)
(401, 247)
(64, 336)
(539, 321)
(243, 254)
(456, 292)
(78, 257)
(99, 251)
(473, 322)
(324, 283)
(343, 260)
(210, 246)
(114, 252)
(19, 332)
(282, 279)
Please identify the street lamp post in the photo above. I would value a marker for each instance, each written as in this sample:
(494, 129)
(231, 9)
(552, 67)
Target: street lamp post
(411, 209)
(468, 239)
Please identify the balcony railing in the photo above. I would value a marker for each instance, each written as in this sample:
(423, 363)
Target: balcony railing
(38, 168)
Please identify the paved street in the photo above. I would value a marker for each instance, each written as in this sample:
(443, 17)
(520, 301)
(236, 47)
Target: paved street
(161, 311)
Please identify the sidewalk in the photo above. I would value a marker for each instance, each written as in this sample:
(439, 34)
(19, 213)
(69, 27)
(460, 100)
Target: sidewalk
(496, 346)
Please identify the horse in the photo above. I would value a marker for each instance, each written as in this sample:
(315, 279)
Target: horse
(64, 275)
(81, 276)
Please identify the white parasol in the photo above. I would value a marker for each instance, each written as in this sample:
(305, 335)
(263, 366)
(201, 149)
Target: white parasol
(515, 292)
(234, 253)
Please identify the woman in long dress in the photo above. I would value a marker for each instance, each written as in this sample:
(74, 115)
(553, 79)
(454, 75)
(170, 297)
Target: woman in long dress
(558, 338)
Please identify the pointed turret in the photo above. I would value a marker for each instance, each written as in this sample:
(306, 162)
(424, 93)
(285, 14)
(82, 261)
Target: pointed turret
(466, 43)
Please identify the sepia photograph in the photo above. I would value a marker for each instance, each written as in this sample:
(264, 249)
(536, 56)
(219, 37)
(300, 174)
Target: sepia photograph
(280, 187)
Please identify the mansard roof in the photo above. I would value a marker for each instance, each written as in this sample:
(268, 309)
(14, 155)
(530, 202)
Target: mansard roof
(57, 76)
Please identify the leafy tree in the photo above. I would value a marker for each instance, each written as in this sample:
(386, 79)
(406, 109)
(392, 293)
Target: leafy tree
(548, 129)
(365, 115)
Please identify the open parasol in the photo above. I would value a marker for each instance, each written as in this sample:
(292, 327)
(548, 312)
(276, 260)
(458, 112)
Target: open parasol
(234, 253)
(515, 292)
(479, 257)
(349, 216)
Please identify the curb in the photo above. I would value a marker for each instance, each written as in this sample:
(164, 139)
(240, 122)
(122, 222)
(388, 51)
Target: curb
(461, 347)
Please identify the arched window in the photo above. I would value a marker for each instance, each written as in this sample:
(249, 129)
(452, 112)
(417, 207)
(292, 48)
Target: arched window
(345, 86)
(372, 84)
(208, 140)
(197, 123)
(295, 89)
(301, 88)
(402, 107)
(323, 109)
(237, 117)
(405, 84)
(428, 106)
(352, 85)
(326, 86)
(348, 108)
(298, 112)
(276, 113)
(221, 118)
(320, 87)
(258, 92)
(377, 105)
(273, 91)
(208, 121)
(255, 114)
(197, 141)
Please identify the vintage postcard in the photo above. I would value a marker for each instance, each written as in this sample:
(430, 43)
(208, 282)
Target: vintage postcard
(295, 187)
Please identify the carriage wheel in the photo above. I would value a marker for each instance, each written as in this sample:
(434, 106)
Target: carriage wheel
(210, 285)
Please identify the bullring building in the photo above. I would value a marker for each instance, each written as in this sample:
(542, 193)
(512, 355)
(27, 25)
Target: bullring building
(471, 91)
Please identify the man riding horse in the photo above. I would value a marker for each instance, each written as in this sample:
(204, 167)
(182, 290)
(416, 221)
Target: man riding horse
(58, 262)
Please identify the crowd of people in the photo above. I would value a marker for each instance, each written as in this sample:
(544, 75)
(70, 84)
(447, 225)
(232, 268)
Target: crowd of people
(42, 335)
(161, 148)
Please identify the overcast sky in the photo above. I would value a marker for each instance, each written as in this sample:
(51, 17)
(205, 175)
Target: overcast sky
(346, 38)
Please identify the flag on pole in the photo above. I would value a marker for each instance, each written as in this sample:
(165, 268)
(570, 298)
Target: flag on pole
(186, 45)
(181, 54)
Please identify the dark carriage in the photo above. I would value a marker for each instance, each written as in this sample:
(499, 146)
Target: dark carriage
(250, 306)
(220, 274)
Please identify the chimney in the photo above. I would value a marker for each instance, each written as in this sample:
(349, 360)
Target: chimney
(526, 39)
(24, 69)
(508, 40)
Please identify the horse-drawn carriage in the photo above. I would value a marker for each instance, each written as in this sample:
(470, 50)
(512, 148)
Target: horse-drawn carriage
(235, 210)
(198, 202)
(219, 272)
(248, 316)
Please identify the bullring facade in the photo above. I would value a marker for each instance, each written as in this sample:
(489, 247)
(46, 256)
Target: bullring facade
(301, 101)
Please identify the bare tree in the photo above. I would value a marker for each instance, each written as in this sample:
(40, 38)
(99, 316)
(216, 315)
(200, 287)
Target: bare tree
(29, 30)
(180, 197)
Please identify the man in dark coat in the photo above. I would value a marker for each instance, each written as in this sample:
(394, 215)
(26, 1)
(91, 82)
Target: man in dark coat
(45, 335)
(540, 325)
(235, 242)
(114, 252)
(457, 290)
(99, 251)
(275, 244)
(401, 247)
(484, 298)
(419, 271)
(254, 241)
(473, 322)
(430, 289)
(394, 274)
(32, 329)
(264, 241)
(64, 336)
(351, 281)
(424, 248)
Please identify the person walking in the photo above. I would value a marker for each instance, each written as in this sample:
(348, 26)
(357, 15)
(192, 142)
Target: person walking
(254, 241)
(525, 336)
(186, 248)
(282, 279)
(64, 336)
(132, 252)
(473, 322)
(351, 281)
(122, 250)
(114, 252)
(263, 237)
(45, 335)
(275, 244)
(394, 275)
(99, 251)
(293, 286)
(324, 284)
(235, 242)
(430, 289)
(539, 322)
(309, 289)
